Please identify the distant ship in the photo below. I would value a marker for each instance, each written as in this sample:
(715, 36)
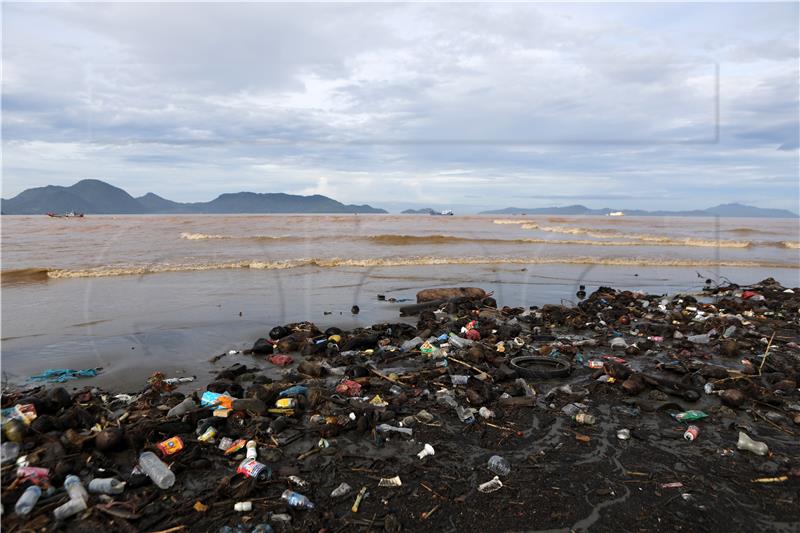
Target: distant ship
(71, 214)
(446, 212)
(615, 214)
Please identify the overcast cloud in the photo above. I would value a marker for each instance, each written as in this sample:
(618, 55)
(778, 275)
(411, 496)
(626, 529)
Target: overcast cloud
(620, 105)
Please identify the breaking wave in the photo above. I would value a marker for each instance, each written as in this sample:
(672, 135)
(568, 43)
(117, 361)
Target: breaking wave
(23, 275)
(400, 261)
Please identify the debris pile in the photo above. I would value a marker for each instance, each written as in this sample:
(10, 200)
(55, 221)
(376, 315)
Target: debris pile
(628, 409)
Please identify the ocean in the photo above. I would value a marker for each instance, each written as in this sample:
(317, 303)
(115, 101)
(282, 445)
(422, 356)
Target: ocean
(134, 294)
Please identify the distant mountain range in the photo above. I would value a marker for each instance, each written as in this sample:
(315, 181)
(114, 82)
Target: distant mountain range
(98, 197)
(722, 210)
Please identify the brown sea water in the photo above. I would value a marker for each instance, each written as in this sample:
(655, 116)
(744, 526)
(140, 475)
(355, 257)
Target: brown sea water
(135, 294)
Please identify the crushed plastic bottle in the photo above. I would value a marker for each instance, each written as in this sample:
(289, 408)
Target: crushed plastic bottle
(459, 342)
(499, 466)
(491, 485)
(411, 344)
(750, 445)
(27, 501)
(705, 338)
(465, 414)
(182, 408)
(342, 490)
(386, 428)
(295, 500)
(156, 470)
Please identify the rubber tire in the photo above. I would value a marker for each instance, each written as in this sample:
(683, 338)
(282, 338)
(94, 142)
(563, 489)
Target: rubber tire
(561, 368)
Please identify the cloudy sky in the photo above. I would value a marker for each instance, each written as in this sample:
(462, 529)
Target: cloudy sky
(623, 105)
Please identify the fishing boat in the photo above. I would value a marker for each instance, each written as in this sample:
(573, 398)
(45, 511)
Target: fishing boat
(71, 214)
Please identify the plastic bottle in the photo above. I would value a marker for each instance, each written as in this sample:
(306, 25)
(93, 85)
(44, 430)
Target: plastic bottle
(459, 342)
(426, 451)
(705, 338)
(108, 485)
(28, 500)
(486, 413)
(252, 450)
(341, 490)
(252, 468)
(459, 379)
(499, 466)
(386, 428)
(75, 489)
(746, 443)
(411, 344)
(182, 408)
(72, 507)
(491, 485)
(446, 398)
(156, 470)
(295, 500)
(9, 452)
(529, 392)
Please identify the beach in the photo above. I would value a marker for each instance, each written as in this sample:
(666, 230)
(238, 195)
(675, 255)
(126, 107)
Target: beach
(136, 294)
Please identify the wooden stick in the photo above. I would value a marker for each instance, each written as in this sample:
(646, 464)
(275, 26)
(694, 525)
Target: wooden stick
(387, 378)
(476, 369)
(766, 353)
(170, 530)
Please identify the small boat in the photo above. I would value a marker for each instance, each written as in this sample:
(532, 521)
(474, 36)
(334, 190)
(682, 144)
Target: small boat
(71, 214)
(446, 212)
(615, 214)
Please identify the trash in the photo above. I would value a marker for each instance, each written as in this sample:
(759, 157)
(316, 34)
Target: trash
(499, 466)
(359, 498)
(296, 500)
(27, 501)
(71, 508)
(108, 485)
(170, 446)
(750, 445)
(9, 452)
(156, 470)
(60, 375)
(342, 490)
(426, 451)
(623, 434)
(254, 469)
(390, 482)
(75, 489)
(280, 360)
(243, 507)
(252, 451)
(492, 485)
(691, 433)
(690, 416)
(585, 419)
(182, 408)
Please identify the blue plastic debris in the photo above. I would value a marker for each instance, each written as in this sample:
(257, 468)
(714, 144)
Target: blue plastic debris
(60, 375)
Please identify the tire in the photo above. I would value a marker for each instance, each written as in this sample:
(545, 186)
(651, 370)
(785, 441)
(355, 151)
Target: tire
(544, 367)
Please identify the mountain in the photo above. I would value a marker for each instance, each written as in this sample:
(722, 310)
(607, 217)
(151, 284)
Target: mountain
(86, 196)
(723, 210)
(97, 197)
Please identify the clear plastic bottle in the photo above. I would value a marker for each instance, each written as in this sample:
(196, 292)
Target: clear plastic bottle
(72, 507)
(10, 451)
(156, 470)
(459, 342)
(746, 443)
(295, 500)
(75, 489)
(386, 428)
(585, 419)
(499, 466)
(182, 408)
(411, 344)
(108, 485)
(28, 500)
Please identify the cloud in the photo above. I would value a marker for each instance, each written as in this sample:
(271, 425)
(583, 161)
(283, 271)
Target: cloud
(466, 102)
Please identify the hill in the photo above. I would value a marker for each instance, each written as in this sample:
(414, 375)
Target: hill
(98, 197)
(722, 210)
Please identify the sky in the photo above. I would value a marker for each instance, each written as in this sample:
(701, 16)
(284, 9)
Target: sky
(626, 105)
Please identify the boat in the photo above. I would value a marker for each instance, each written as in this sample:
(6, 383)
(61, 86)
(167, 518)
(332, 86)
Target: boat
(615, 214)
(446, 212)
(71, 214)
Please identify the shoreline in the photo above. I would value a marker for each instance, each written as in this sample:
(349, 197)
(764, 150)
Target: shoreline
(635, 361)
